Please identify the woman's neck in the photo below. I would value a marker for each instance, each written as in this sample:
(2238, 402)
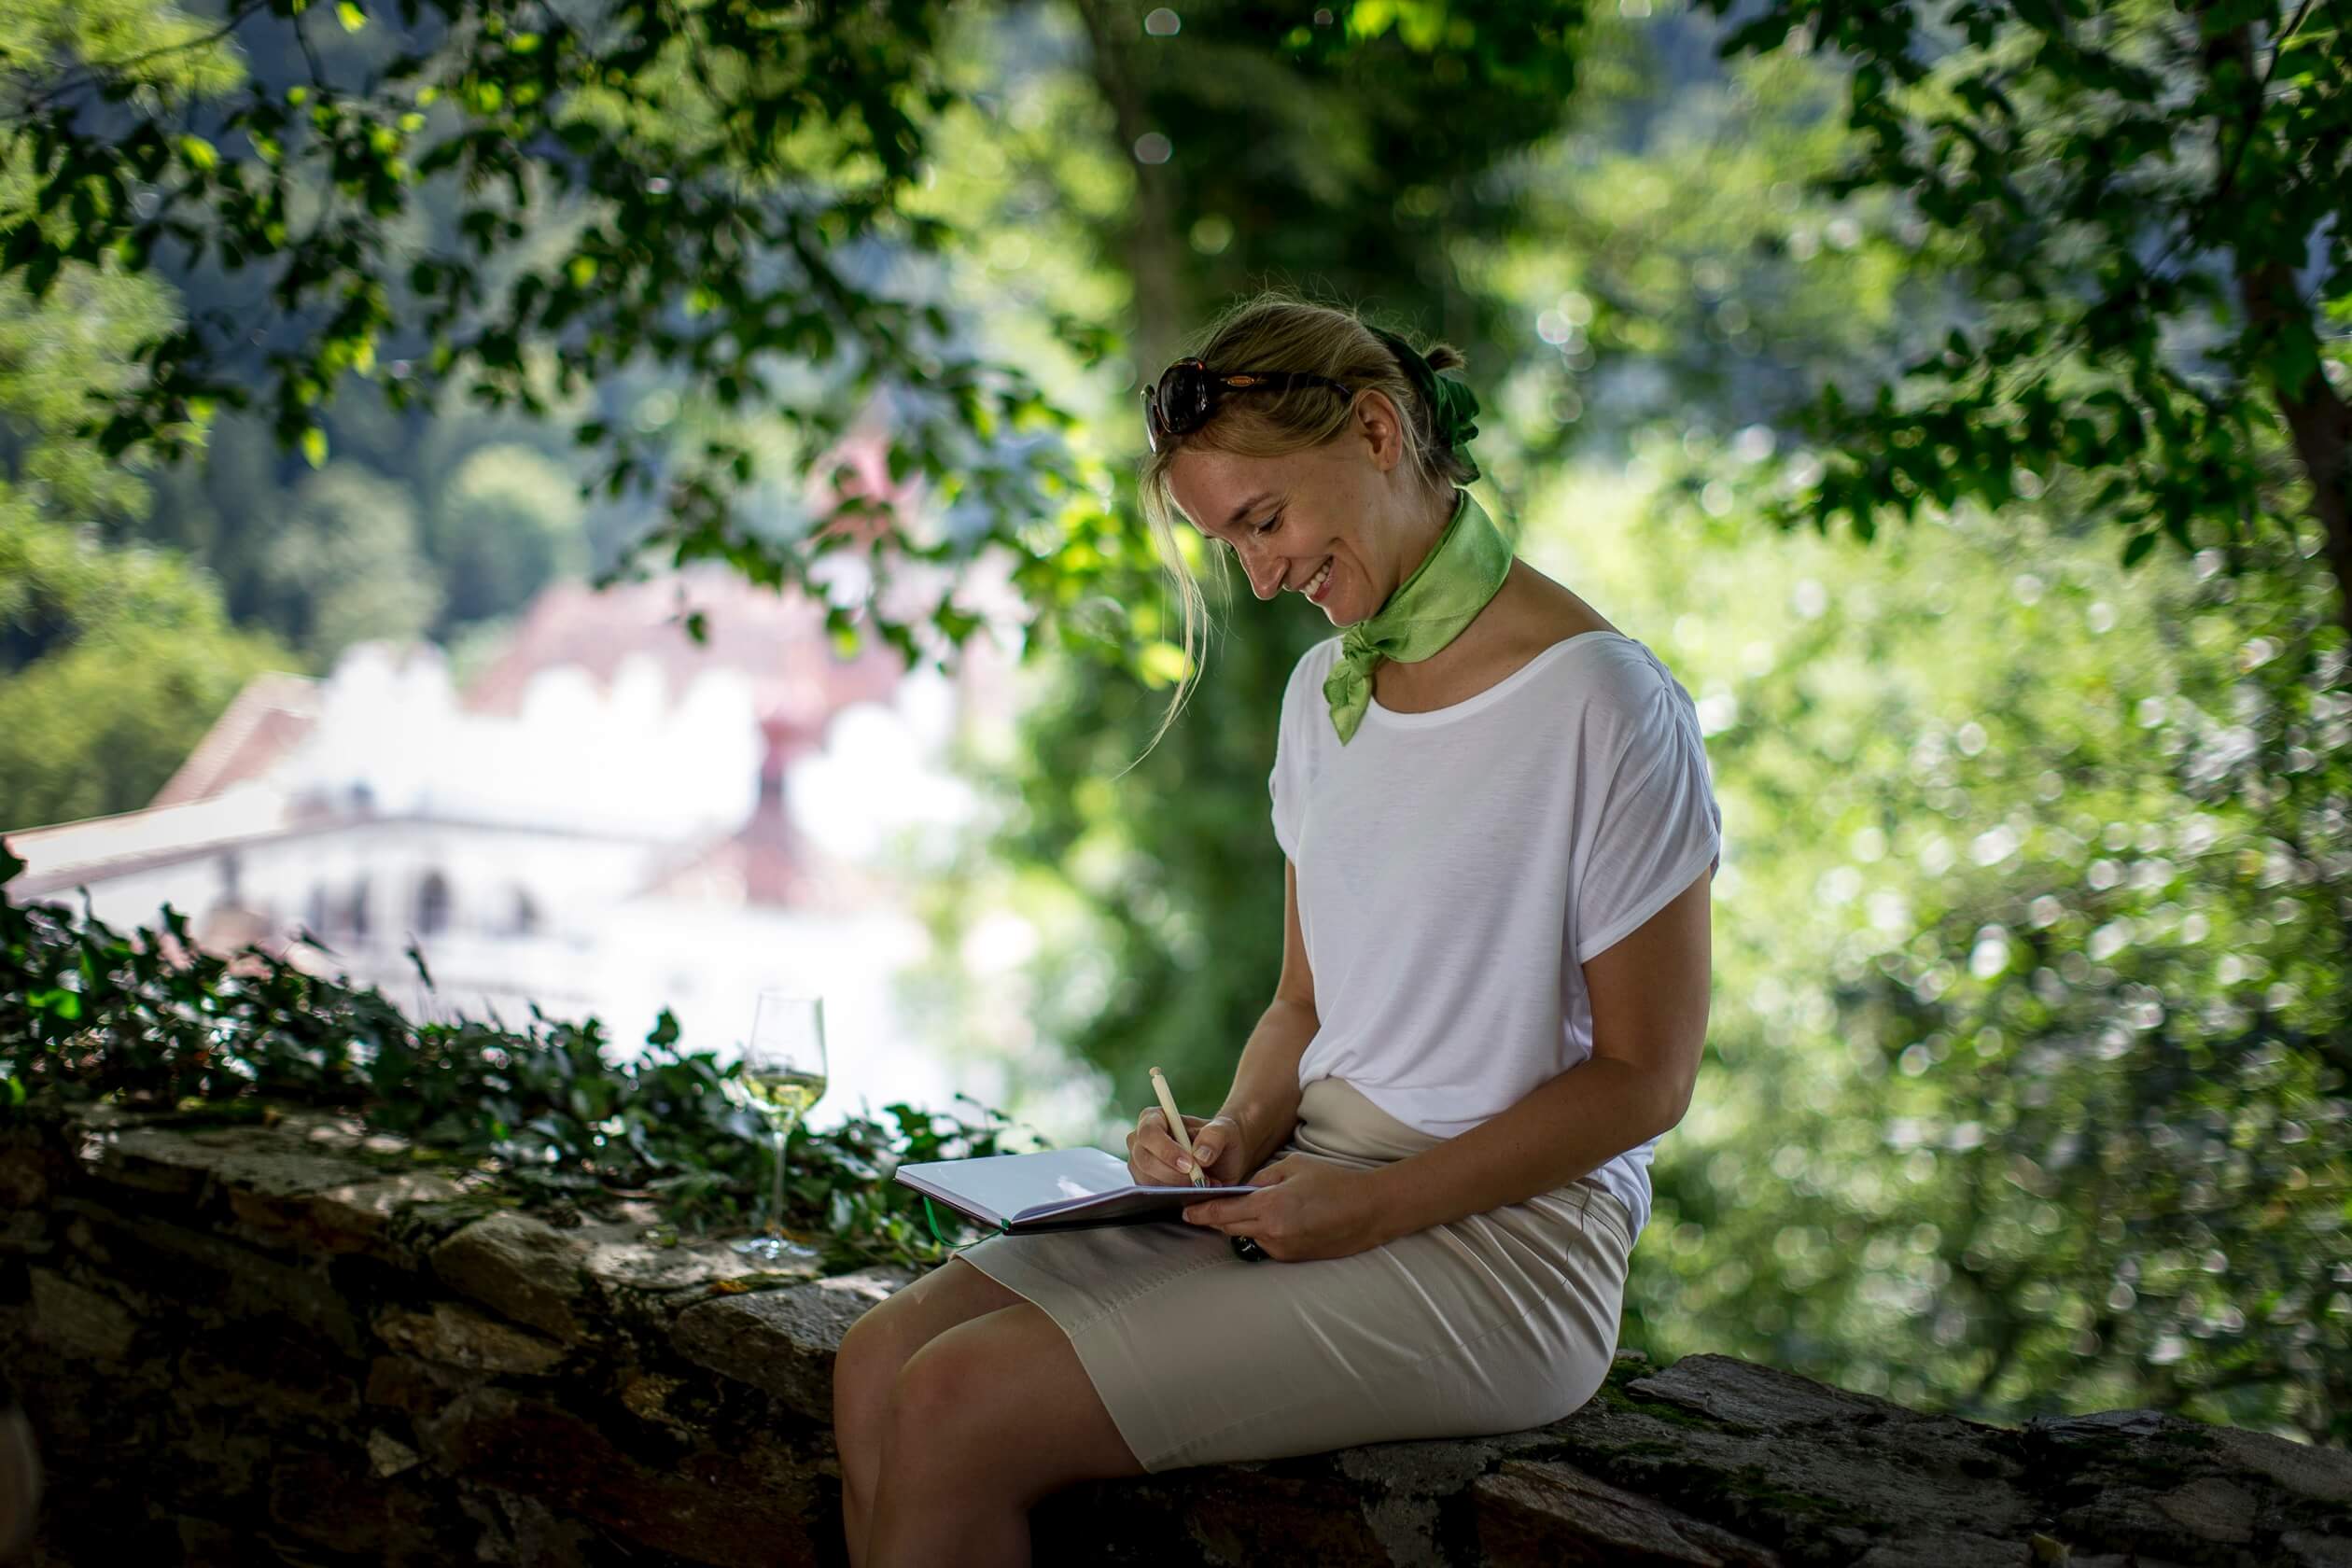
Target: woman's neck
(1444, 509)
(1528, 614)
(1493, 629)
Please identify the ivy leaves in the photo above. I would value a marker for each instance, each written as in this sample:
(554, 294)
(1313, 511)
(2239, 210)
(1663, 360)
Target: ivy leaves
(150, 1018)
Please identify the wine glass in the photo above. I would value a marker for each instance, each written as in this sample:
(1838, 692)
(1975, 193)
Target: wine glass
(783, 1075)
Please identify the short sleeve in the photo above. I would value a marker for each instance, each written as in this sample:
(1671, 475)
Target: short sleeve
(1285, 795)
(1657, 828)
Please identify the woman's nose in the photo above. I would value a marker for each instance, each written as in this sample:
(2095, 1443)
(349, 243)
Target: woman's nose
(1265, 575)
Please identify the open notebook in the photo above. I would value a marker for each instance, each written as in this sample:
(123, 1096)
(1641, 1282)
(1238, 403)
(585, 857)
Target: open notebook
(1054, 1189)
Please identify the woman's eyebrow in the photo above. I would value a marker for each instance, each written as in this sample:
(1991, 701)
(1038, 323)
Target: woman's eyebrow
(1247, 507)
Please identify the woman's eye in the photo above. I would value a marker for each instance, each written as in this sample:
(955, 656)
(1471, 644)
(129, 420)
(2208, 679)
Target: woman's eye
(1270, 523)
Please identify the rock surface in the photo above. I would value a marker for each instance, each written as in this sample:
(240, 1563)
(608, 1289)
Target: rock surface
(271, 1344)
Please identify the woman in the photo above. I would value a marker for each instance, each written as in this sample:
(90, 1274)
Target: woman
(1499, 834)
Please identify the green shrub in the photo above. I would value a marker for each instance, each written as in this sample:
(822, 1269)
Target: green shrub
(151, 1021)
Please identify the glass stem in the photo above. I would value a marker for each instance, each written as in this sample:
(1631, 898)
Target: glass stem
(776, 1191)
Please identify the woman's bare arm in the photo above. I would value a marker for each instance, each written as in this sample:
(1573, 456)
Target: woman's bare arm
(1649, 1025)
(1265, 1097)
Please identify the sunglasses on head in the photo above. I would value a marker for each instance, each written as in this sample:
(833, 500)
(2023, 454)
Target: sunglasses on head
(1189, 391)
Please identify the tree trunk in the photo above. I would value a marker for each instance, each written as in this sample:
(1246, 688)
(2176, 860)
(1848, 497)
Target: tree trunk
(1160, 309)
(2320, 424)
(2316, 418)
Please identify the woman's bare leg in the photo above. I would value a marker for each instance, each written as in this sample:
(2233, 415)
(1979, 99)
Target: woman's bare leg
(986, 1420)
(872, 1352)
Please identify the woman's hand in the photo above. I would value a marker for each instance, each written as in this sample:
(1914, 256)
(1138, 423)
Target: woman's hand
(1307, 1209)
(1155, 1159)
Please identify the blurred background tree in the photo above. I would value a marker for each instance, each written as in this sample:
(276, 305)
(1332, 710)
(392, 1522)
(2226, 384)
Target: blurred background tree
(348, 565)
(113, 661)
(507, 522)
(113, 664)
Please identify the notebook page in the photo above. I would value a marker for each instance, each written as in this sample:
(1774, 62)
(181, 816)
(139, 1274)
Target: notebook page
(1127, 1202)
(1050, 1182)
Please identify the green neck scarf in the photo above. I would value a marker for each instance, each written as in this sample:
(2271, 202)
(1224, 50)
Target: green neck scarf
(1461, 572)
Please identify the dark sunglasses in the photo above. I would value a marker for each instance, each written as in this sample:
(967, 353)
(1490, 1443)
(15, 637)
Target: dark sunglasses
(1189, 391)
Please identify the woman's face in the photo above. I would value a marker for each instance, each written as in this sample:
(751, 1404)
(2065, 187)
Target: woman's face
(1338, 508)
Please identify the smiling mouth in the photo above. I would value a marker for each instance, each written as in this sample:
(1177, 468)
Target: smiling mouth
(1315, 585)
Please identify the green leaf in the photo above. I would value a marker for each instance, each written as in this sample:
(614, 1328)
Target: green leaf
(313, 443)
(350, 15)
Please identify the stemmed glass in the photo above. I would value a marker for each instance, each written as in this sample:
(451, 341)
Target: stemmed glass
(783, 1075)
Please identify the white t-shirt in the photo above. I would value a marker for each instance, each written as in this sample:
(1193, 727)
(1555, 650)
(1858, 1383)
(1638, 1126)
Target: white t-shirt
(1457, 868)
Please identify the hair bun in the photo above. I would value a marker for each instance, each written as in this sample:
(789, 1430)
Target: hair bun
(1453, 407)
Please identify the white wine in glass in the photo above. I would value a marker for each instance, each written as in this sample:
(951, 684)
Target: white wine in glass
(783, 1075)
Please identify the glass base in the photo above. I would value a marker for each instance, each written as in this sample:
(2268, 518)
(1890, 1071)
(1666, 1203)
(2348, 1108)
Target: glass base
(778, 1249)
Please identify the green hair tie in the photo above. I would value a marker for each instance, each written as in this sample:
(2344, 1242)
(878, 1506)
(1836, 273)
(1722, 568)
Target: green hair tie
(1453, 407)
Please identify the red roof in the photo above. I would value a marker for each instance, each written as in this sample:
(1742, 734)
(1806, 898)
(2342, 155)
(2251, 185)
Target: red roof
(780, 641)
(260, 725)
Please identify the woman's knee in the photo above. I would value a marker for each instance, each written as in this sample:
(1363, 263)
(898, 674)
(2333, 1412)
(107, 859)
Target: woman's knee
(882, 1340)
(1003, 1402)
(937, 1381)
(891, 1330)
(873, 1332)
(958, 1395)
(865, 1365)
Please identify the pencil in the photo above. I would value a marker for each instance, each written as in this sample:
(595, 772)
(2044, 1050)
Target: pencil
(1176, 1124)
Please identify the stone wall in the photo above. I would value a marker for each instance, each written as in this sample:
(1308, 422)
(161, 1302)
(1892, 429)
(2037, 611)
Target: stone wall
(247, 1344)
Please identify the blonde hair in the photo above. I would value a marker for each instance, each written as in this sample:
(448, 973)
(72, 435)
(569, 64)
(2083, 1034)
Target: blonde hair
(1277, 329)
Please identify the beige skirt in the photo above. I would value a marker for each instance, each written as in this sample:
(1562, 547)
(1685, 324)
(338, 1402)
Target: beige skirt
(1497, 1323)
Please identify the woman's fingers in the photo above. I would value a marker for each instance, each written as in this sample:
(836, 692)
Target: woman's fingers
(1152, 1152)
(1155, 1160)
(1219, 1145)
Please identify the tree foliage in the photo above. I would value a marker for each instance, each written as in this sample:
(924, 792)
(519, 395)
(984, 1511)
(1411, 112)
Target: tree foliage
(2152, 208)
(113, 664)
(729, 176)
(2025, 1089)
(2103, 178)
(504, 524)
(113, 661)
(348, 565)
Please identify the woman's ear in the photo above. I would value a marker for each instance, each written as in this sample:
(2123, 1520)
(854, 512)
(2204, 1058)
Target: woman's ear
(1378, 423)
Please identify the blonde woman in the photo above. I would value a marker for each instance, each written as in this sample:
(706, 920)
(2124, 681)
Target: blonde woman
(1499, 833)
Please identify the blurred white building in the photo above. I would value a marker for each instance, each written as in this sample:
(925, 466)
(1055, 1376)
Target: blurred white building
(612, 818)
